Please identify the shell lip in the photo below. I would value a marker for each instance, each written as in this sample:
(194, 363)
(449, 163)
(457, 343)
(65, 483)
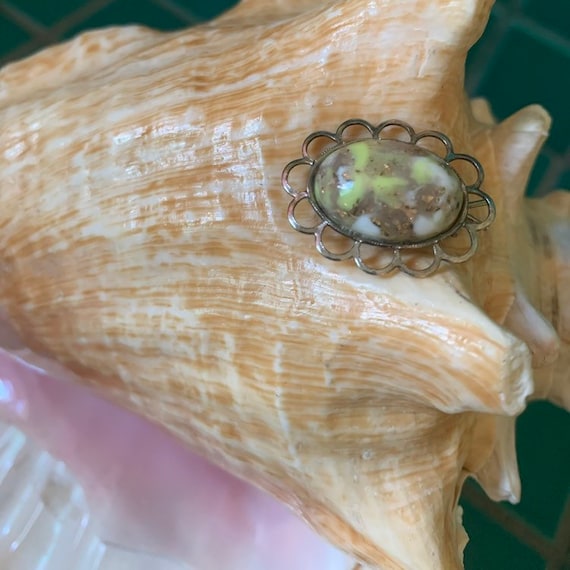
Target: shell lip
(465, 218)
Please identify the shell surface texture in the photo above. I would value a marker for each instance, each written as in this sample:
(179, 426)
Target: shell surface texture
(146, 258)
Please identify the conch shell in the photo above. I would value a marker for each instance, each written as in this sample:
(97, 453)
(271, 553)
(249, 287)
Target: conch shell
(145, 247)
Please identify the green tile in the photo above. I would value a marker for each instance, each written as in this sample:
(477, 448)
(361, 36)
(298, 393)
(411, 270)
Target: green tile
(490, 547)
(207, 10)
(527, 70)
(543, 448)
(480, 54)
(48, 12)
(11, 35)
(564, 180)
(124, 12)
(539, 170)
(554, 14)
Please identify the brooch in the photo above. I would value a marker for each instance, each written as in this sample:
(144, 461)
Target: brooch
(396, 202)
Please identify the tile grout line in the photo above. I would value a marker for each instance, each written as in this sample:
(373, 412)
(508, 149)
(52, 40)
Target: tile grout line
(504, 16)
(186, 15)
(542, 34)
(510, 522)
(39, 35)
(23, 51)
(79, 15)
(23, 19)
(545, 182)
(549, 181)
(53, 33)
(510, 17)
(538, 31)
(561, 541)
(491, 45)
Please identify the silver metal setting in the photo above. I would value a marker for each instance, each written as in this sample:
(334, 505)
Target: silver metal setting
(473, 198)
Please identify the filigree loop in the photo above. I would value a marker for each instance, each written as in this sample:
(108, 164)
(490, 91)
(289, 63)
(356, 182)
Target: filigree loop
(323, 250)
(305, 150)
(353, 123)
(444, 139)
(424, 271)
(484, 200)
(394, 123)
(382, 270)
(287, 171)
(474, 162)
(461, 257)
(295, 224)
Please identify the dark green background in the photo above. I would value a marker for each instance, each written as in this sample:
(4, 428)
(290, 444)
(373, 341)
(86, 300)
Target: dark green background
(524, 57)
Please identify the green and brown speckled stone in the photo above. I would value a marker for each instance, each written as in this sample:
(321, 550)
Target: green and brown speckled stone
(387, 191)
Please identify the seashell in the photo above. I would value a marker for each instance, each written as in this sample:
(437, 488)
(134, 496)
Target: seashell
(145, 249)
